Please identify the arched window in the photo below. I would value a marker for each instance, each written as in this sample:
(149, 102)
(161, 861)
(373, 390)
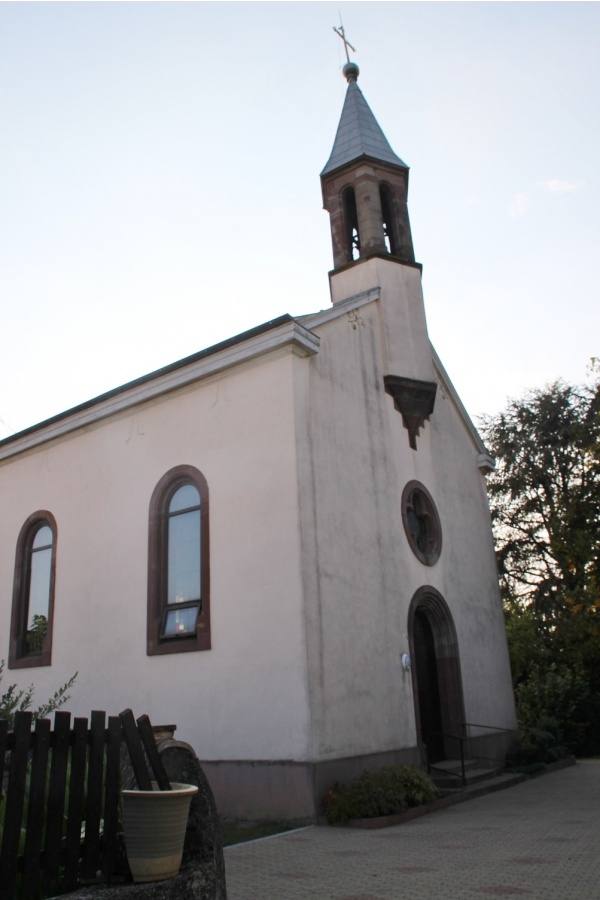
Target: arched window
(352, 236)
(178, 564)
(389, 222)
(33, 593)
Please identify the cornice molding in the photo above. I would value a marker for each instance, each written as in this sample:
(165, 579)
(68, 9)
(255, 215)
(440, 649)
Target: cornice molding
(292, 335)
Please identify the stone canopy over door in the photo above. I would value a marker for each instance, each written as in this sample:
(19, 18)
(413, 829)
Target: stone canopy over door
(437, 683)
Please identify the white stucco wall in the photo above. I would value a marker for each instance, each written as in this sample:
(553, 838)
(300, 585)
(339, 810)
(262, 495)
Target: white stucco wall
(361, 701)
(245, 698)
(404, 343)
(360, 573)
(467, 570)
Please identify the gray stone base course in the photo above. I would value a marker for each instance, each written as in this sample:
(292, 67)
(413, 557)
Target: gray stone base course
(288, 791)
(292, 791)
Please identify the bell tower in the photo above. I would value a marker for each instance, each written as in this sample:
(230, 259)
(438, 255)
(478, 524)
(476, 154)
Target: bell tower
(365, 186)
(365, 190)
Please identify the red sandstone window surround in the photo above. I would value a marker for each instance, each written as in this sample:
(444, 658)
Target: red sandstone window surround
(33, 593)
(178, 564)
(421, 523)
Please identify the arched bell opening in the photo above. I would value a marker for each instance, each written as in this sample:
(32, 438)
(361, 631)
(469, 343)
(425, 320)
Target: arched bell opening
(389, 220)
(437, 682)
(351, 232)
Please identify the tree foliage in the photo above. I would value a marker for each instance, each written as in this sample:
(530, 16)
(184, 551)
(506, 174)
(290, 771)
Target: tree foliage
(545, 503)
(556, 692)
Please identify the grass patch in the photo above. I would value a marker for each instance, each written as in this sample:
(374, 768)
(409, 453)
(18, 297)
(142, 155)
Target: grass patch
(235, 833)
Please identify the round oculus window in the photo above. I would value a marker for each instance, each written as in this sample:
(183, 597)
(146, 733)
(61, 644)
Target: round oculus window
(421, 523)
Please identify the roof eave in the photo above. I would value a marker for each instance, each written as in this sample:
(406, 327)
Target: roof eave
(284, 330)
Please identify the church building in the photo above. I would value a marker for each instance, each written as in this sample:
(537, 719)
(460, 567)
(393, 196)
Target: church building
(282, 543)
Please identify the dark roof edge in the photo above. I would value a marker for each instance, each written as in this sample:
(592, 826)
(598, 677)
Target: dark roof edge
(352, 162)
(145, 379)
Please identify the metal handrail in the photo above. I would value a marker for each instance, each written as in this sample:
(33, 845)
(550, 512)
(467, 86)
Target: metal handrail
(461, 742)
(469, 725)
(492, 727)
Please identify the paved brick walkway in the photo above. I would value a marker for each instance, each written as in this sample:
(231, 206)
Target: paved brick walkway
(539, 839)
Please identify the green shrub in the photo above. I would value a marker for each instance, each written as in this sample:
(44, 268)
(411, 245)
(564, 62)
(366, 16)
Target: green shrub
(528, 768)
(554, 694)
(16, 699)
(542, 744)
(589, 713)
(382, 793)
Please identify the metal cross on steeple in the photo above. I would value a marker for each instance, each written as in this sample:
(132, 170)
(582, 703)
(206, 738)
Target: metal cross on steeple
(340, 31)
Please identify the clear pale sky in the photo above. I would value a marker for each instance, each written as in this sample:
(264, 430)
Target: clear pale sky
(159, 183)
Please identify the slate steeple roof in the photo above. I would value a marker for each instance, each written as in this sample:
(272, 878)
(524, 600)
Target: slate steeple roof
(358, 132)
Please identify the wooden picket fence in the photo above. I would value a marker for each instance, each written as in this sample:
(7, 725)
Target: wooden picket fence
(60, 802)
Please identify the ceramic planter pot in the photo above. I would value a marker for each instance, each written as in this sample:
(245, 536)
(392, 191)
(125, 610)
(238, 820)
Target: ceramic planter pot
(154, 823)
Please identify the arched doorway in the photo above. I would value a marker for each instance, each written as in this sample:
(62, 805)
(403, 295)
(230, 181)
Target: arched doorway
(437, 683)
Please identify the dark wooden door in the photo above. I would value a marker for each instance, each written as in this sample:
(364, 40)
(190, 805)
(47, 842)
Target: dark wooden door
(428, 688)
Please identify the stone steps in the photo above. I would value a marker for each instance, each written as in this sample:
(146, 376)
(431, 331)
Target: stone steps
(447, 774)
